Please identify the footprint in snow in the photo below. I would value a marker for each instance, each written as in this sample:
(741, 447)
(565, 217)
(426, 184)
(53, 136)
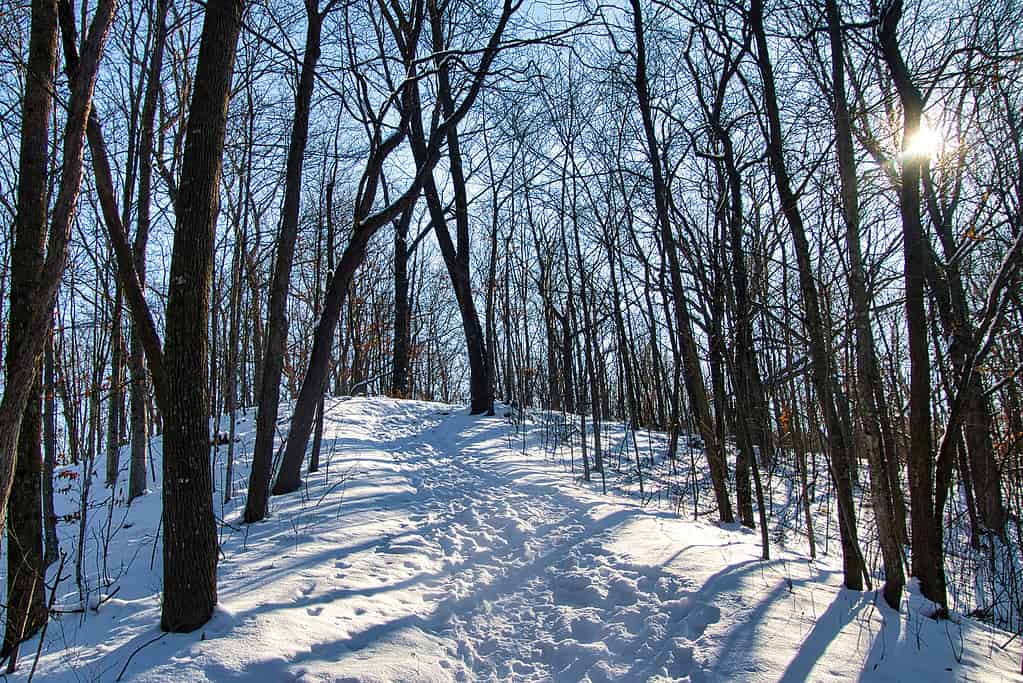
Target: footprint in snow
(314, 611)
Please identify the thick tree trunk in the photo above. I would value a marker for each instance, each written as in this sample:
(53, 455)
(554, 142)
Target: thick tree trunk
(26, 567)
(26, 611)
(32, 300)
(190, 538)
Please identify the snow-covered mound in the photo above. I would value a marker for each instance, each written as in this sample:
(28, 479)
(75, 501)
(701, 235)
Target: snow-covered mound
(435, 546)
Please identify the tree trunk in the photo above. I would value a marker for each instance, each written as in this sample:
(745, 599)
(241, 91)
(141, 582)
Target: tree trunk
(869, 431)
(115, 397)
(691, 370)
(277, 328)
(402, 311)
(926, 524)
(481, 389)
(946, 284)
(821, 372)
(139, 393)
(32, 299)
(26, 611)
(365, 225)
(190, 538)
(49, 453)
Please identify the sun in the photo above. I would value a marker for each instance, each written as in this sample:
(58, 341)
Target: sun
(924, 143)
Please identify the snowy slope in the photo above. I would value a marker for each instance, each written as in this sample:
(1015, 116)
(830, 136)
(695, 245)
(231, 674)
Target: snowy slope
(433, 546)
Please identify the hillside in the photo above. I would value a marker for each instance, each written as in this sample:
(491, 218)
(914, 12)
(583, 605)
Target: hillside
(435, 546)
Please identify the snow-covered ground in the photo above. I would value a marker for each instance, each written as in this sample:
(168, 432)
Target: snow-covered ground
(434, 546)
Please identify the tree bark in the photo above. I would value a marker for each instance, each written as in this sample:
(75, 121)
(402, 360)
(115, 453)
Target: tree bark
(190, 538)
(691, 371)
(51, 545)
(927, 561)
(35, 302)
(277, 327)
(402, 311)
(26, 611)
(821, 371)
(867, 385)
(139, 393)
(115, 396)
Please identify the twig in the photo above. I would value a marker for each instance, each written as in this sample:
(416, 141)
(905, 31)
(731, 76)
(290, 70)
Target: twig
(49, 610)
(135, 652)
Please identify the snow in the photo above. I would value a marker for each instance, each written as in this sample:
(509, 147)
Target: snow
(437, 546)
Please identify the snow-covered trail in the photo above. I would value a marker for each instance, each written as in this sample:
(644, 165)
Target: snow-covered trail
(432, 546)
(528, 586)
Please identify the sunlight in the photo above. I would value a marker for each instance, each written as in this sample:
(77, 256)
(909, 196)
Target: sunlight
(924, 143)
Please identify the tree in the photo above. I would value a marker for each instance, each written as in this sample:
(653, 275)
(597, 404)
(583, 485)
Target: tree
(928, 560)
(139, 392)
(43, 278)
(190, 539)
(868, 382)
(405, 29)
(277, 327)
(821, 373)
(692, 374)
(26, 611)
(180, 368)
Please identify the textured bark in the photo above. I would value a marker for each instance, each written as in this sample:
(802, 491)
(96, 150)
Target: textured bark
(26, 567)
(190, 539)
(277, 326)
(115, 397)
(26, 611)
(402, 309)
(36, 304)
(51, 545)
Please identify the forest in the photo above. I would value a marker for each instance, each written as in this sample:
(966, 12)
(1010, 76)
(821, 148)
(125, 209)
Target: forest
(757, 262)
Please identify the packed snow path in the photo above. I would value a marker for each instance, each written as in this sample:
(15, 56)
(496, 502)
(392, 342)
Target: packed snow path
(436, 546)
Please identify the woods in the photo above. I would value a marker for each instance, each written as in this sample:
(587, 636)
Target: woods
(788, 237)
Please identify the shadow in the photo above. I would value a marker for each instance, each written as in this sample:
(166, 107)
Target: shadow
(842, 611)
